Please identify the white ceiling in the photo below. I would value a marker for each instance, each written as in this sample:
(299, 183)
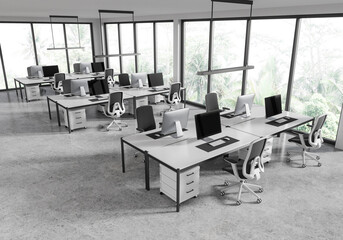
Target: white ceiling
(89, 8)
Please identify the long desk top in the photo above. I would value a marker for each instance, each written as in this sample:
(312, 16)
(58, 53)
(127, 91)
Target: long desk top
(182, 153)
(69, 76)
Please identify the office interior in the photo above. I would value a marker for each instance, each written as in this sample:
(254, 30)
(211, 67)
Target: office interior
(60, 184)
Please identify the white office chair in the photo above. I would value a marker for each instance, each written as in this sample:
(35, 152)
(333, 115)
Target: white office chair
(174, 96)
(246, 169)
(57, 84)
(109, 76)
(309, 142)
(115, 109)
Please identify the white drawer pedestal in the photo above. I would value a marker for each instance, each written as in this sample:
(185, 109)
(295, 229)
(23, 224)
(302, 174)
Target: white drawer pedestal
(189, 183)
(32, 92)
(77, 118)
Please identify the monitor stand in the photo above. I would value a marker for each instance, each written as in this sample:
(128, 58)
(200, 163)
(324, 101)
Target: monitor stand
(247, 111)
(178, 127)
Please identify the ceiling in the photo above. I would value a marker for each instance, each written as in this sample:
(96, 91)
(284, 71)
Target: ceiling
(89, 8)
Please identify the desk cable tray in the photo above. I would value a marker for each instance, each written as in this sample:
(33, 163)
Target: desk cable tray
(211, 146)
(281, 121)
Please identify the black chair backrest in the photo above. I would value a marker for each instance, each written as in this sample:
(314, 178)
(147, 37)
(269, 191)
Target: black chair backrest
(256, 149)
(115, 97)
(211, 101)
(145, 118)
(108, 72)
(124, 79)
(174, 88)
(319, 122)
(58, 77)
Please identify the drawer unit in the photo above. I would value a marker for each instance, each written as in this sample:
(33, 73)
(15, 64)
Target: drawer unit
(267, 151)
(189, 183)
(32, 92)
(155, 99)
(77, 118)
(139, 102)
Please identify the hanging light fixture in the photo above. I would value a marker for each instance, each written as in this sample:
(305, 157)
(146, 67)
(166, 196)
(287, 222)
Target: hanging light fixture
(232, 69)
(102, 55)
(52, 33)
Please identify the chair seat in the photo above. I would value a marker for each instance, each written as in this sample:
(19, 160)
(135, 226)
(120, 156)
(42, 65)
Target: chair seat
(297, 140)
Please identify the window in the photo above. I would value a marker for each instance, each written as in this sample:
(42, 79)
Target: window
(270, 53)
(113, 46)
(43, 38)
(79, 55)
(228, 51)
(145, 46)
(318, 81)
(127, 46)
(196, 43)
(17, 51)
(164, 50)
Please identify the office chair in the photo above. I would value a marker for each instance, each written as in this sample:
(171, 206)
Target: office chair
(124, 80)
(115, 108)
(211, 101)
(57, 85)
(109, 77)
(309, 142)
(145, 118)
(246, 169)
(174, 96)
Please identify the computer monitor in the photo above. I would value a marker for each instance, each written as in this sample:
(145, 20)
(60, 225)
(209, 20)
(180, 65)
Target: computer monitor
(49, 71)
(33, 71)
(273, 105)
(76, 84)
(66, 84)
(86, 67)
(155, 79)
(207, 124)
(98, 87)
(244, 104)
(135, 77)
(98, 67)
(175, 121)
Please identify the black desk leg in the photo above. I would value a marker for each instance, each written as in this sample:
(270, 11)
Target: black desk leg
(68, 120)
(147, 174)
(15, 85)
(184, 98)
(178, 190)
(134, 107)
(47, 99)
(122, 155)
(21, 93)
(58, 115)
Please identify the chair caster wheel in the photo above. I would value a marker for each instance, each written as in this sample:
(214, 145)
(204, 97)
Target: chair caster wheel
(161, 193)
(288, 159)
(222, 193)
(303, 166)
(288, 154)
(319, 164)
(239, 202)
(120, 129)
(260, 190)
(195, 196)
(226, 183)
(136, 155)
(107, 129)
(317, 157)
(259, 200)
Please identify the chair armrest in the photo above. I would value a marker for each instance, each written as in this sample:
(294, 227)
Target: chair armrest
(309, 125)
(226, 108)
(140, 130)
(231, 160)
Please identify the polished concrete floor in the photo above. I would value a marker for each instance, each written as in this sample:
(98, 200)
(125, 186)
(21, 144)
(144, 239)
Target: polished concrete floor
(55, 185)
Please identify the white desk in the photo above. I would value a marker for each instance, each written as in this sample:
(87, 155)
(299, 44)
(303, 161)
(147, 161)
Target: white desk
(74, 102)
(26, 82)
(180, 154)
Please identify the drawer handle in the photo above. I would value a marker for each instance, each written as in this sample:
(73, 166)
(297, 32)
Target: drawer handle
(77, 112)
(78, 117)
(265, 156)
(190, 174)
(190, 191)
(190, 183)
(266, 149)
(79, 123)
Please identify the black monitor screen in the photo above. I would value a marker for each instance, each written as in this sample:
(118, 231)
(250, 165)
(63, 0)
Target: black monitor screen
(273, 105)
(155, 79)
(207, 124)
(98, 67)
(98, 87)
(49, 71)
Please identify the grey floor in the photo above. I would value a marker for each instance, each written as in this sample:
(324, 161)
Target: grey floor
(55, 185)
